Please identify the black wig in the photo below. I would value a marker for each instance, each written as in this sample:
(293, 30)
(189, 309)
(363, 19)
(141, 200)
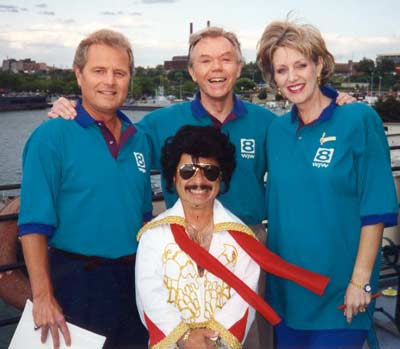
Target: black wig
(198, 141)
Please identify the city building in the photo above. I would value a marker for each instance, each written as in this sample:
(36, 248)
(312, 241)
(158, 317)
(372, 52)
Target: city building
(394, 57)
(26, 65)
(346, 69)
(180, 62)
(177, 63)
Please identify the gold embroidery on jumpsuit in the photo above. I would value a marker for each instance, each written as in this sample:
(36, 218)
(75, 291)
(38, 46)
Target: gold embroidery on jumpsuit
(183, 283)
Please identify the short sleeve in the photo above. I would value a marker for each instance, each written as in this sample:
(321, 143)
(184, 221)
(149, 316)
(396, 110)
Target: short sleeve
(41, 178)
(376, 190)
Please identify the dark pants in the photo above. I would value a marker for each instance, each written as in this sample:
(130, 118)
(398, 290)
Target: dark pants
(289, 338)
(100, 298)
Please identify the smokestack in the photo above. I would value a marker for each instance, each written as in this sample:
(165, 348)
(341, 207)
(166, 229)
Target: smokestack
(208, 24)
(191, 28)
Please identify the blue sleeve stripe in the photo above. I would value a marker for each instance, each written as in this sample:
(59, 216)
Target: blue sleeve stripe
(390, 219)
(147, 216)
(36, 228)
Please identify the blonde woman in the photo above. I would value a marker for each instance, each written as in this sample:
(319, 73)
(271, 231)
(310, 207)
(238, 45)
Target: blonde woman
(330, 193)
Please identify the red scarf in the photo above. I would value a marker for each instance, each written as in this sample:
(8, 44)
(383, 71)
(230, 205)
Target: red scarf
(267, 260)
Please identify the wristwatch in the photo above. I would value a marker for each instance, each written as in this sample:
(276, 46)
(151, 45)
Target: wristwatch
(366, 287)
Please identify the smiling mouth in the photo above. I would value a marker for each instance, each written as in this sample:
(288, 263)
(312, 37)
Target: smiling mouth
(198, 189)
(108, 93)
(295, 88)
(216, 80)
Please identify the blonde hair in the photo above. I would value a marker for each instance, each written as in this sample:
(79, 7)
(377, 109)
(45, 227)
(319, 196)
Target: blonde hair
(102, 37)
(214, 32)
(304, 38)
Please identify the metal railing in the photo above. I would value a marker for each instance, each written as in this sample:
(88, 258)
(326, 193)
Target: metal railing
(12, 266)
(391, 268)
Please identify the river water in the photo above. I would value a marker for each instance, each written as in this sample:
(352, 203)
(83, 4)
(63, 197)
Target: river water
(15, 128)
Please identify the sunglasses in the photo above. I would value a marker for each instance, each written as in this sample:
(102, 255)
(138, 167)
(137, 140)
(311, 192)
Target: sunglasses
(211, 172)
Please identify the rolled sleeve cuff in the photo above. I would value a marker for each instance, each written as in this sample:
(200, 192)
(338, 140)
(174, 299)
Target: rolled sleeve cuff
(36, 228)
(389, 219)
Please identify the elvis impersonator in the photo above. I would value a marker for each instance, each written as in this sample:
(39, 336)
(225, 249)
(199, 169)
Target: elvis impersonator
(197, 265)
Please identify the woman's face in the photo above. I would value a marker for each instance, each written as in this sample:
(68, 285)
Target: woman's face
(295, 75)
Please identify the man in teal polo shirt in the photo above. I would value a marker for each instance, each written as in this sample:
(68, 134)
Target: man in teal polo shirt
(247, 128)
(215, 63)
(85, 194)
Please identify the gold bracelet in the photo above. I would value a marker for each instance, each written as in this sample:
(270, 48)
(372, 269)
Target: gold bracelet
(356, 284)
(366, 287)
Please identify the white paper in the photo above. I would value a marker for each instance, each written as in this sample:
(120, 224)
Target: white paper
(26, 337)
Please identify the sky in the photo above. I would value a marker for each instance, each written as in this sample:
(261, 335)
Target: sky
(49, 31)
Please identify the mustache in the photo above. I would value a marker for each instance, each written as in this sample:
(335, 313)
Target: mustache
(196, 187)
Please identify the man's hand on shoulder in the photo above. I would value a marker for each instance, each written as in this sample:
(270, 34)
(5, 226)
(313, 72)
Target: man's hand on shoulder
(64, 108)
(48, 316)
(345, 98)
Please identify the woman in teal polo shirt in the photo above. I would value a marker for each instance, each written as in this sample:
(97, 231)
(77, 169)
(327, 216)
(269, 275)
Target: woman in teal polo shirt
(330, 193)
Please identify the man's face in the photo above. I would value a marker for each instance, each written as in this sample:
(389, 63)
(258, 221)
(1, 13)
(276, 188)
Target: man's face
(196, 191)
(215, 67)
(104, 80)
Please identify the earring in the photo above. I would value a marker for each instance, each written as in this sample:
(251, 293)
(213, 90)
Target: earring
(319, 79)
(279, 92)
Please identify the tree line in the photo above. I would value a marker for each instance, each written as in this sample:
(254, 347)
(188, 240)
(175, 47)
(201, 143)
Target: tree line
(179, 83)
(145, 82)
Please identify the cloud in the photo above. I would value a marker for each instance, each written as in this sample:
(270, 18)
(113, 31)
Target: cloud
(51, 34)
(157, 1)
(343, 47)
(112, 13)
(129, 23)
(41, 5)
(65, 32)
(67, 21)
(9, 8)
(47, 13)
(55, 42)
(119, 13)
(356, 47)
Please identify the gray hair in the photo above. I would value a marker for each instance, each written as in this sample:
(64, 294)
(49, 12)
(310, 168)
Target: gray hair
(214, 32)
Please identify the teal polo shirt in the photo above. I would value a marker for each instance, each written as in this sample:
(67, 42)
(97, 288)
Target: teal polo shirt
(326, 180)
(75, 192)
(247, 128)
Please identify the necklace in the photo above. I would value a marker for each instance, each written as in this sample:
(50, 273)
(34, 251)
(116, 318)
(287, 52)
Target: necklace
(200, 235)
